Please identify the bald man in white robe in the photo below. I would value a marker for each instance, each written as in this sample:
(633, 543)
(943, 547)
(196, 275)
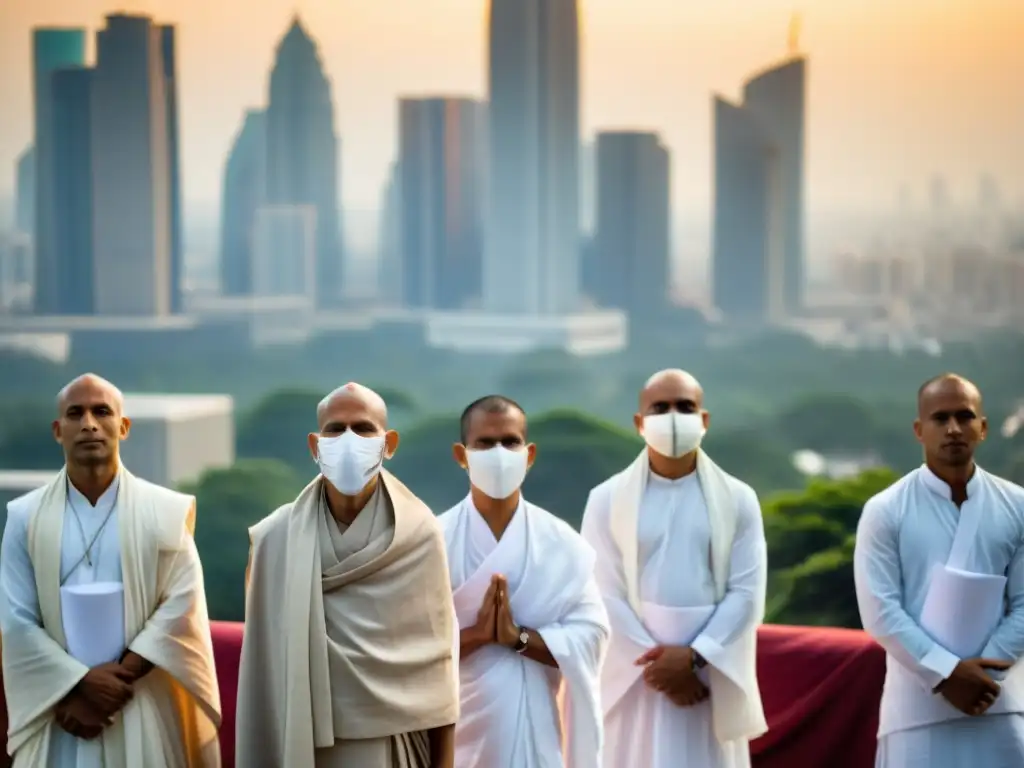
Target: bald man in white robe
(350, 651)
(682, 567)
(107, 655)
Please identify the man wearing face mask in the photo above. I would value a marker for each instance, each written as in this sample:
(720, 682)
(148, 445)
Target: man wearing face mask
(349, 653)
(682, 567)
(532, 617)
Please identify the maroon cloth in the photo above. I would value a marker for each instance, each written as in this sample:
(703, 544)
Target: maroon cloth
(820, 687)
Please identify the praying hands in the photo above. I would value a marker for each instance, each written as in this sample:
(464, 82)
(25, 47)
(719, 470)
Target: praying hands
(670, 670)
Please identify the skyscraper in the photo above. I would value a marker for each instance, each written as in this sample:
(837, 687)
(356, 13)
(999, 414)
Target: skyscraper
(389, 255)
(167, 45)
(302, 151)
(25, 192)
(441, 165)
(531, 262)
(244, 192)
(748, 237)
(761, 142)
(631, 241)
(131, 157)
(51, 49)
(75, 276)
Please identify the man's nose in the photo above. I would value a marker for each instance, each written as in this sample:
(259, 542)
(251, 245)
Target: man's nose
(953, 428)
(89, 422)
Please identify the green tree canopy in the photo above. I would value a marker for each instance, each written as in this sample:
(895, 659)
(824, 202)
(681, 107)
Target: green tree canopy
(228, 502)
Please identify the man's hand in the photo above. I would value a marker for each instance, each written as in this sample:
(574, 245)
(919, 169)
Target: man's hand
(484, 629)
(506, 629)
(669, 670)
(107, 687)
(969, 688)
(78, 717)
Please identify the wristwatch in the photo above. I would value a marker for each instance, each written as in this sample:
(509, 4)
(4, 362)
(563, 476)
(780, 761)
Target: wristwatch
(524, 638)
(699, 662)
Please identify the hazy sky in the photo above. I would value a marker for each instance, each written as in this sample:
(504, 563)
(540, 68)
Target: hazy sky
(898, 89)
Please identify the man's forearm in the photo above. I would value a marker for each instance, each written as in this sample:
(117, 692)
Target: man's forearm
(136, 665)
(442, 746)
(537, 650)
(471, 640)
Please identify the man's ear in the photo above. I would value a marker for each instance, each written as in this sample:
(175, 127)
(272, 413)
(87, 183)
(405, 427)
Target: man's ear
(126, 427)
(313, 439)
(531, 454)
(459, 454)
(706, 418)
(917, 431)
(984, 428)
(390, 443)
(56, 429)
(638, 422)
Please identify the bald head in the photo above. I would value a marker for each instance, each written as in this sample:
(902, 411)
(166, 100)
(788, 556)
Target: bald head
(672, 387)
(93, 385)
(943, 387)
(355, 400)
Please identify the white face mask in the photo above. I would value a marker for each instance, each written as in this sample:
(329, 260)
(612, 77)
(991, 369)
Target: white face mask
(349, 461)
(674, 434)
(497, 471)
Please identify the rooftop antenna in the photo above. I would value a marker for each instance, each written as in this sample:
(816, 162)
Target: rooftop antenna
(793, 41)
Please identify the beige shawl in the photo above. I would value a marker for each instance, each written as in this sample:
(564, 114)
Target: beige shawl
(735, 696)
(383, 668)
(165, 622)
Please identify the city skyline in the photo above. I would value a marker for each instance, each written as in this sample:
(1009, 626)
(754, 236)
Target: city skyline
(955, 58)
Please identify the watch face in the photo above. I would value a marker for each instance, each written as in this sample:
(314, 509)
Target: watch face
(524, 637)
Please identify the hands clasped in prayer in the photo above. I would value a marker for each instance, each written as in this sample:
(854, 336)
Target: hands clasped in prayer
(670, 670)
(91, 706)
(494, 622)
(970, 689)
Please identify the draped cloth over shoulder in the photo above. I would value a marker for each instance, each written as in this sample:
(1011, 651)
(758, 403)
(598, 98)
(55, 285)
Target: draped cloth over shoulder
(387, 670)
(174, 716)
(735, 697)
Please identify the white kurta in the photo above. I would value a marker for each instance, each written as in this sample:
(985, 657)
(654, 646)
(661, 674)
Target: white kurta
(903, 533)
(509, 713)
(19, 603)
(642, 726)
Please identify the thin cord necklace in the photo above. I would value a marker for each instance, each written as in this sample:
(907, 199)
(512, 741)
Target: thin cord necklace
(87, 554)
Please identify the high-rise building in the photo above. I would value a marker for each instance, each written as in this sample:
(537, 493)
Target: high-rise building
(389, 254)
(748, 238)
(531, 262)
(441, 165)
(631, 242)
(169, 58)
(131, 164)
(75, 277)
(243, 193)
(25, 192)
(759, 229)
(284, 252)
(51, 49)
(302, 151)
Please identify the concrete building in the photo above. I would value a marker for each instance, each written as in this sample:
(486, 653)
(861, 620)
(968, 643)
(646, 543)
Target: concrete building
(175, 438)
(16, 276)
(25, 192)
(631, 247)
(169, 58)
(131, 161)
(390, 280)
(302, 151)
(52, 49)
(244, 191)
(284, 252)
(532, 260)
(594, 333)
(441, 163)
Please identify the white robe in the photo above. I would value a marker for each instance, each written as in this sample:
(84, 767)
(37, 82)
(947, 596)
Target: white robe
(903, 533)
(643, 727)
(509, 712)
(19, 604)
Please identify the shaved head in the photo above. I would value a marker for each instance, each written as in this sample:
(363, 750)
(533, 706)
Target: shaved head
(671, 385)
(357, 395)
(89, 381)
(946, 382)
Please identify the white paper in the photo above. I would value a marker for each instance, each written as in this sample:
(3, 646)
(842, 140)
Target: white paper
(93, 616)
(962, 609)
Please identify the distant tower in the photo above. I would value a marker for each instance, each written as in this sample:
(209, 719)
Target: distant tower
(25, 192)
(244, 191)
(302, 152)
(531, 262)
(169, 58)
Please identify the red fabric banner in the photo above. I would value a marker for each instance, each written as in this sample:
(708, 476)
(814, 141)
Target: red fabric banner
(820, 687)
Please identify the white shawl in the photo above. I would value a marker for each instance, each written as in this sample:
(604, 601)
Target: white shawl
(166, 623)
(735, 697)
(550, 573)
